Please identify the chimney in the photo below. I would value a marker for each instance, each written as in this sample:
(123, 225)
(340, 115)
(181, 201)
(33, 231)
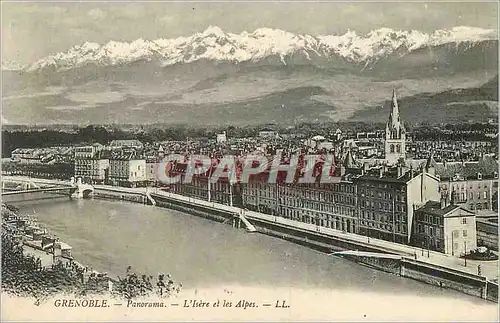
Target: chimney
(57, 249)
(400, 170)
(444, 201)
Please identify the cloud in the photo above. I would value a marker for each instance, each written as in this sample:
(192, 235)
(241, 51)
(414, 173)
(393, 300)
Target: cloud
(71, 107)
(140, 106)
(48, 92)
(97, 97)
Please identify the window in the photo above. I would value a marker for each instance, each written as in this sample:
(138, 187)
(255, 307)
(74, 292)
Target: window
(464, 221)
(485, 195)
(455, 233)
(464, 233)
(392, 148)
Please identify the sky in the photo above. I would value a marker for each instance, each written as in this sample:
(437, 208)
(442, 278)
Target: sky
(31, 31)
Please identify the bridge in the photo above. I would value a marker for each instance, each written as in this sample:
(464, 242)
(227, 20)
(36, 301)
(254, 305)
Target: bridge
(26, 185)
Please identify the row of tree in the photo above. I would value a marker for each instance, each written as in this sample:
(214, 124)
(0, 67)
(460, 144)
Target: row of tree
(12, 139)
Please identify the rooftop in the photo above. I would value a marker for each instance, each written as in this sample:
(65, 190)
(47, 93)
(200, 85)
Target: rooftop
(433, 207)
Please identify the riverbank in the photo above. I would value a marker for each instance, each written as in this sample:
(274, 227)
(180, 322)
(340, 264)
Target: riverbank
(412, 263)
(38, 265)
(433, 268)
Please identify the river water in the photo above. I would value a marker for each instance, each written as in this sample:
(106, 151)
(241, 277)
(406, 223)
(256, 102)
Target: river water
(110, 235)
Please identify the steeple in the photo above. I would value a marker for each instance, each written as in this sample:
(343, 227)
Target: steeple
(395, 133)
(349, 161)
(395, 109)
(394, 127)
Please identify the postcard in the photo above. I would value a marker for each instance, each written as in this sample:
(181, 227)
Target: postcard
(249, 161)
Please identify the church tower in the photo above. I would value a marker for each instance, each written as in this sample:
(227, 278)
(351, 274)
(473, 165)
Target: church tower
(395, 134)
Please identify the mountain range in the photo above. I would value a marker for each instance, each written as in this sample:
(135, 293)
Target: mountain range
(267, 75)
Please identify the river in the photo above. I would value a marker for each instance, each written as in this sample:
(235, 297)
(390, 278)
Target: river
(110, 235)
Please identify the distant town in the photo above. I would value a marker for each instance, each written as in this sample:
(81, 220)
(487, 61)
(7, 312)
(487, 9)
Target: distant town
(434, 187)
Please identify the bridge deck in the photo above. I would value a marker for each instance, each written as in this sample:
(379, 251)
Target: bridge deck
(51, 189)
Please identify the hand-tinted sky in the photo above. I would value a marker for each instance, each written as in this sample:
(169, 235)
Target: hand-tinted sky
(33, 30)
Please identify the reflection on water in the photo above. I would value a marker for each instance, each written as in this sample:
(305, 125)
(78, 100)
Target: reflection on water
(111, 235)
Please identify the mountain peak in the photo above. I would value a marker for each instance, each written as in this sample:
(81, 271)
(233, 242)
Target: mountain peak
(11, 66)
(213, 30)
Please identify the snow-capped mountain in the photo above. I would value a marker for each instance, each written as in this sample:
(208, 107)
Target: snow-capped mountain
(214, 44)
(12, 66)
(266, 75)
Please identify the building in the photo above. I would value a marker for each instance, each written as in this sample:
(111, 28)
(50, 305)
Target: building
(473, 185)
(99, 168)
(22, 155)
(55, 170)
(152, 163)
(331, 205)
(221, 191)
(395, 134)
(487, 232)
(444, 227)
(132, 144)
(221, 137)
(127, 168)
(91, 163)
(41, 155)
(387, 198)
(268, 133)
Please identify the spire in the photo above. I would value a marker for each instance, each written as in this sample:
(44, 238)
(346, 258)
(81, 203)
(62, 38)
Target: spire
(394, 108)
(349, 161)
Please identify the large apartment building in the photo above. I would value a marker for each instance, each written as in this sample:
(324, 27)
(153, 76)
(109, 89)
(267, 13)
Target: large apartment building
(199, 186)
(388, 198)
(445, 227)
(92, 163)
(127, 168)
(473, 185)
